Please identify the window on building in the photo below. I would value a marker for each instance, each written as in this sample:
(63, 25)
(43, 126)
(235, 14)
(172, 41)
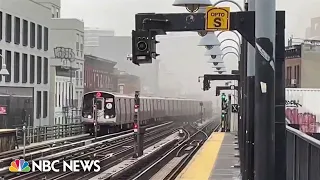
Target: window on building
(25, 33)
(8, 63)
(77, 98)
(298, 74)
(59, 94)
(39, 36)
(32, 69)
(290, 72)
(81, 74)
(57, 13)
(46, 39)
(17, 30)
(39, 69)
(53, 9)
(81, 46)
(38, 107)
(0, 25)
(32, 35)
(77, 44)
(45, 104)
(24, 68)
(16, 68)
(55, 95)
(77, 78)
(8, 28)
(45, 71)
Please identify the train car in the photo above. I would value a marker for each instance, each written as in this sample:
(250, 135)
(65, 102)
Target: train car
(115, 111)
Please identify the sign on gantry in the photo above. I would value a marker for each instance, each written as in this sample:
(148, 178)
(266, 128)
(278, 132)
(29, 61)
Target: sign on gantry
(217, 18)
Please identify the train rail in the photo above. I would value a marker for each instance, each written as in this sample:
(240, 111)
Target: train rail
(105, 150)
(84, 147)
(173, 161)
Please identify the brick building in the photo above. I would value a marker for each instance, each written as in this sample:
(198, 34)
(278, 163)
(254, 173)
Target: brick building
(128, 83)
(301, 65)
(99, 74)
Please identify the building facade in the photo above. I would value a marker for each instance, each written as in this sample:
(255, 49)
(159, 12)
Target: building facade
(128, 84)
(25, 49)
(301, 65)
(99, 74)
(66, 85)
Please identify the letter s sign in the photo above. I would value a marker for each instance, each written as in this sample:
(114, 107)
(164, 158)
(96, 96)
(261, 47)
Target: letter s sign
(217, 22)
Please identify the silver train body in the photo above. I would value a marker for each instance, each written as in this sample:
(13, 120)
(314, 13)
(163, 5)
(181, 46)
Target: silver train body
(117, 110)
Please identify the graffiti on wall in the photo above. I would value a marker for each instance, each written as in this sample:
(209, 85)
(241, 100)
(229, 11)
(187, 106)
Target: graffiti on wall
(65, 54)
(296, 115)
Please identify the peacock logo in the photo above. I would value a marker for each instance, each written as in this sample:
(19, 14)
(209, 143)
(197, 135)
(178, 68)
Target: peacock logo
(19, 165)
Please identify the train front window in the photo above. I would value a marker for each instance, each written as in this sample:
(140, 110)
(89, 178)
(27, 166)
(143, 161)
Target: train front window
(99, 104)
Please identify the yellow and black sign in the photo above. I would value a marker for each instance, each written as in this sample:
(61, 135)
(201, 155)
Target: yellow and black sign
(217, 18)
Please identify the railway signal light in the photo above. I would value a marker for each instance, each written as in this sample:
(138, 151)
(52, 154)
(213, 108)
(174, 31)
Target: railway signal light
(141, 50)
(98, 94)
(206, 85)
(223, 97)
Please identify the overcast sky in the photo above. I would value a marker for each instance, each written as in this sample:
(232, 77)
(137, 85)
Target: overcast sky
(119, 14)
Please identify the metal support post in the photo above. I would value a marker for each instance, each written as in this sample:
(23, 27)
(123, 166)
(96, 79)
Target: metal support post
(250, 79)
(71, 94)
(280, 125)
(243, 120)
(201, 112)
(265, 32)
(24, 140)
(95, 116)
(28, 128)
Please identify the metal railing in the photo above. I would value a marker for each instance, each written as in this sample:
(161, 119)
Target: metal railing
(303, 155)
(43, 133)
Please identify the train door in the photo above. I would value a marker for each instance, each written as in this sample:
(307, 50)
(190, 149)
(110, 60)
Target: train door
(125, 110)
(132, 110)
(148, 109)
(151, 108)
(100, 107)
(117, 109)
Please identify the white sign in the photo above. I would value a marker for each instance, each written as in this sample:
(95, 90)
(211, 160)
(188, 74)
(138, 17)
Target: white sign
(109, 105)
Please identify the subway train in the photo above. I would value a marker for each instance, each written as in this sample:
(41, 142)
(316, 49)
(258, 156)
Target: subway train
(115, 112)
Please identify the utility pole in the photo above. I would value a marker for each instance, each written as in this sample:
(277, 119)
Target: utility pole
(264, 134)
(250, 80)
(24, 139)
(71, 92)
(95, 117)
(201, 112)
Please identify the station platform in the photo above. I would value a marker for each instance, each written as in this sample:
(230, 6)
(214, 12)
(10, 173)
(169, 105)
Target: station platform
(215, 160)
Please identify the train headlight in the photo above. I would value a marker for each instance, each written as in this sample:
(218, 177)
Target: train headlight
(107, 117)
(89, 116)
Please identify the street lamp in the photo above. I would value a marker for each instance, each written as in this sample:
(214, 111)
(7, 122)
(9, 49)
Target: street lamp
(216, 60)
(219, 66)
(192, 5)
(220, 71)
(214, 52)
(209, 41)
(4, 71)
